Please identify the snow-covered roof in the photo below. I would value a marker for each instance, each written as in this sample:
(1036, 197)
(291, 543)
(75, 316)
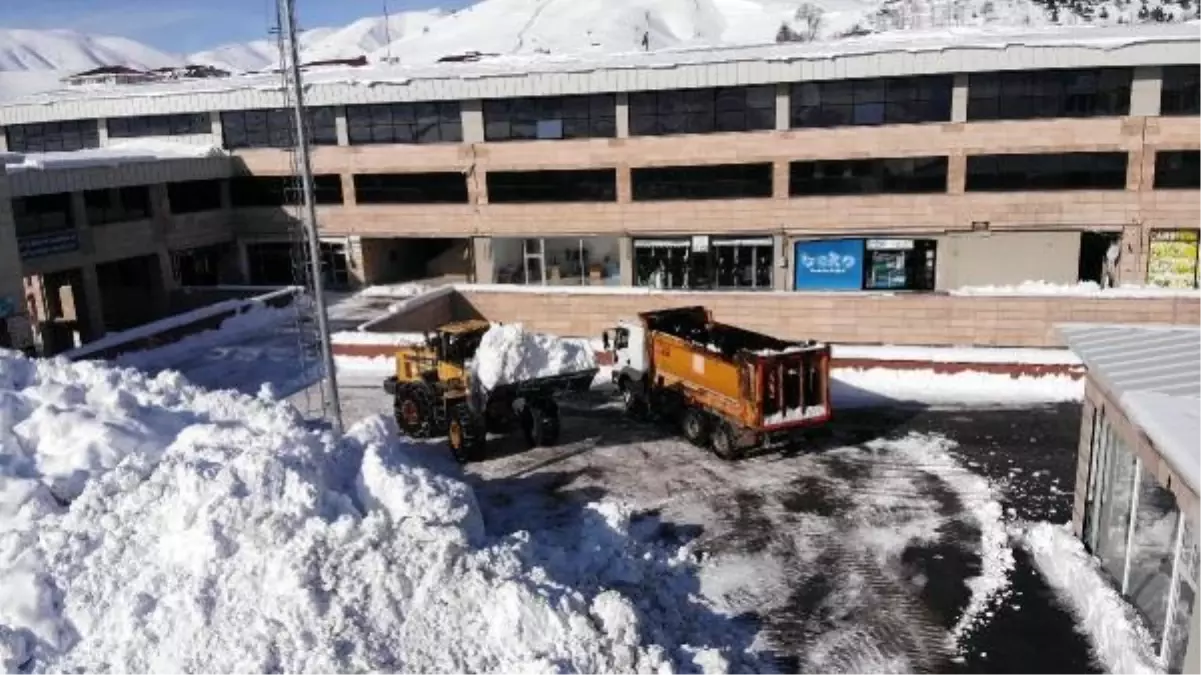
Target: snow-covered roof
(881, 55)
(132, 162)
(1154, 373)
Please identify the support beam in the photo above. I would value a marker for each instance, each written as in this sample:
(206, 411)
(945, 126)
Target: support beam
(1145, 90)
(482, 260)
(622, 114)
(340, 125)
(783, 106)
(625, 253)
(959, 98)
(781, 262)
(472, 119)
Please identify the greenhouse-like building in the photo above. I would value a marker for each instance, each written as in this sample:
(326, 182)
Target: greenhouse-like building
(1137, 473)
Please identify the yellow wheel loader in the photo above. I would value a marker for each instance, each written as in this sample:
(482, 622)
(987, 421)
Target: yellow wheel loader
(434, 394)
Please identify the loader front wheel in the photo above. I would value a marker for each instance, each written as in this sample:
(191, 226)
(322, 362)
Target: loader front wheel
(465, 434)
(721, 439)
(695, 426)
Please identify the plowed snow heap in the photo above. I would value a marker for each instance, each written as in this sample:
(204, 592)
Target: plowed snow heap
(149, 525)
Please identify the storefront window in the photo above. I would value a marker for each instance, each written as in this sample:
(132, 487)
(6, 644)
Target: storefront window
(702, 263)
(1114, 518)
(1152, 549)
(900, 264)
(872, 264)
(1172, 259)
(557, 261)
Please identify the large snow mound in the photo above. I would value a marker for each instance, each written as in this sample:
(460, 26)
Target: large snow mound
(149, 525)
(508, 353)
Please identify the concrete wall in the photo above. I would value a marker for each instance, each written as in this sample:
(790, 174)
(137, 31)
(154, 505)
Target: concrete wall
(863, 318)
(978, 259)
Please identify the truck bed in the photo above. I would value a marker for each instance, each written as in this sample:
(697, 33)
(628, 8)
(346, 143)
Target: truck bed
(692, 324)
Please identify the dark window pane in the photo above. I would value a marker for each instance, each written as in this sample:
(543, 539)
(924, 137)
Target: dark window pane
(194, 196)
(1066, 171)
(412, 188)
(590, 185)
(65, 136)
(868, 176)
(1181, 92)
(722, 181)
(1049, 93)
(1178, 169)
(701, 111)
(546, 118)
(871, 101)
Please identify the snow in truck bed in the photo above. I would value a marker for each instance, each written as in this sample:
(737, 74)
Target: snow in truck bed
(149, 525)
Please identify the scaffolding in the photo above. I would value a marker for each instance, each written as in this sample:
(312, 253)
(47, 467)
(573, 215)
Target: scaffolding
(311, 323)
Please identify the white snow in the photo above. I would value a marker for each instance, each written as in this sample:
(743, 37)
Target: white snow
(856, 388)
(23, 49)
(116, 154)
(795, 414)
(406, 290)
(175, 321)
(1118, 636)
(1173, 423)
(149, 525)
(365, 365)
(1086, 289)
(1019, 355)
(358, 337)
(508, 353)
(253, 321)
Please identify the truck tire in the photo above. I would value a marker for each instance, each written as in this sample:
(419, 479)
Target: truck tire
(695, 425)
(540, 424)
(465, 434)
(721, 439)
(633, 401)
(413, 406)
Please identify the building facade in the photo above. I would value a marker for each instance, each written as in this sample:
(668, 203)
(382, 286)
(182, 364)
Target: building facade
(863, 165)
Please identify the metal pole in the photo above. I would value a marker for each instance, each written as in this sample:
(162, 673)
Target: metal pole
(309, 218)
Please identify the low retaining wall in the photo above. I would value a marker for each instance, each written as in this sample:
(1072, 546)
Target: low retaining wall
(175, 328)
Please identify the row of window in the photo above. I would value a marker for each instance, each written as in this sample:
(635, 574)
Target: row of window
(908, 175)
(1010, 95)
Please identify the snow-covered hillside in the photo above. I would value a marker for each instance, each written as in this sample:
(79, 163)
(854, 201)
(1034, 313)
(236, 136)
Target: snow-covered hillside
(568, 26)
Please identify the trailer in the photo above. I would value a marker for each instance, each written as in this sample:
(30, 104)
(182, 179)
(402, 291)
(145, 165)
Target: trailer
(434, 393)
(727, 387)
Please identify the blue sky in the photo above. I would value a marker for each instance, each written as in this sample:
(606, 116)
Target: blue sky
(191, 25)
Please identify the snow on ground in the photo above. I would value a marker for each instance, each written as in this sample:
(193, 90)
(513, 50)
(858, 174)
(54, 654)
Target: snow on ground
(1119, 637)
(1083, 289)
(857, 388)
(508, 353)
(1020, 355)
(152, 525)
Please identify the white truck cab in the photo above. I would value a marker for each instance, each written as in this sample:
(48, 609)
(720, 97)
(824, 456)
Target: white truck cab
(628, 348)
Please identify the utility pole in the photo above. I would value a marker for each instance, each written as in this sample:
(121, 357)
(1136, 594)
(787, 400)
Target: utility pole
(387, 34)
(287, 21)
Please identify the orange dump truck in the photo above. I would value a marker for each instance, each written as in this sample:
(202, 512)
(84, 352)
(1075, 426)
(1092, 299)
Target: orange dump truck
(728, 387)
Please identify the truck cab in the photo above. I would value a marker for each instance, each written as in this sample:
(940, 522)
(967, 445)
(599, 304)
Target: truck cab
(628, 350)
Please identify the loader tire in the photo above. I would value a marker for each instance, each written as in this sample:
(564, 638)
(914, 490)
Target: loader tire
(413, 406)
(721, 439)
(465, 434)
(540, 424)
(695, 425)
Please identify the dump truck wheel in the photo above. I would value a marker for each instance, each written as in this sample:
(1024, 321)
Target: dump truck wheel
(721, 439)
(465, 434)
(695, 425)
(540, 424)
(413, 407)
(635, 405)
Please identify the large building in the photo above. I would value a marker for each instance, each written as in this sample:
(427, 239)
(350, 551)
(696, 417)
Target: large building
(928, 163)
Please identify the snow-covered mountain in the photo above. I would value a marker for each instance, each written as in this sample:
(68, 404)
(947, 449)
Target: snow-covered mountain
(33, 59)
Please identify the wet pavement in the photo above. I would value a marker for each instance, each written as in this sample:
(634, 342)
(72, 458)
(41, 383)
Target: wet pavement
(853, 552)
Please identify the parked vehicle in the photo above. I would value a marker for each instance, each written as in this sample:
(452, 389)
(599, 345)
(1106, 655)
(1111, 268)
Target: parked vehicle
(434, 394)
(728, 387)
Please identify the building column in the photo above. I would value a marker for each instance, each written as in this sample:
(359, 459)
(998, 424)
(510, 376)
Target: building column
(3, 144)
(1145, 90)
(622, 114)
(482, 261)
(781, 262)
(779, 179)
(1132, 263)
(625, 259)
(349, 198)
(79, 222)
(166, 267)
(102, 130)
(625, 184)
(472, 119)
(1192, 653)
(956, 172)
(783, 106)
(340, 125)
(94, 301)
(959, 98)
(217, 131)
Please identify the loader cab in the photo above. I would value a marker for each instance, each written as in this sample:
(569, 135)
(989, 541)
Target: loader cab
(452, 346)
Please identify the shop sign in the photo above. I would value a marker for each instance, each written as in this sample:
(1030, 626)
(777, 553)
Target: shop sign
(890, 244)
(829, 265)
(1172, 259)
(42, 245)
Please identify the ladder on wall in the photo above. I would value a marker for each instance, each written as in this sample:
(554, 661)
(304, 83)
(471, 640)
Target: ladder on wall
(314, 400)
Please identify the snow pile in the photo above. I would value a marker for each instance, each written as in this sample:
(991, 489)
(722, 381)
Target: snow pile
(859, 388)
(508, 353)
(1118, 635)
(257, 319)
(149, 525)
(1081, 289)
